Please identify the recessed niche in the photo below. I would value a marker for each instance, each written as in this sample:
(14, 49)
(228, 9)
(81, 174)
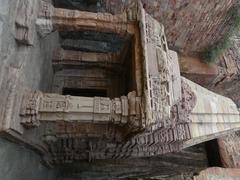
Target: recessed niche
(88, 61)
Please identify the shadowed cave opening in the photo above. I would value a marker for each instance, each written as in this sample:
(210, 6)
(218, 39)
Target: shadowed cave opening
(213, 155)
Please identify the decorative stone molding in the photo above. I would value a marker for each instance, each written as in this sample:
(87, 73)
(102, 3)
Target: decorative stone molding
(138, 144)
(44, 21)
(229, 147)
(30, 109)
(39, 107)
(216, 173)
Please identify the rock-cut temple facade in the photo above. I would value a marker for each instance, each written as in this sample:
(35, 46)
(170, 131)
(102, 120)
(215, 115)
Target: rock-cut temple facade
(112, 89)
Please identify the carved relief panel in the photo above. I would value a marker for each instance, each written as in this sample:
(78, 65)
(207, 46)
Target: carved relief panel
(158, 74)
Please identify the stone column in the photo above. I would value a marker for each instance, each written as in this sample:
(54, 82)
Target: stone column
(51, 18)
(40, 107)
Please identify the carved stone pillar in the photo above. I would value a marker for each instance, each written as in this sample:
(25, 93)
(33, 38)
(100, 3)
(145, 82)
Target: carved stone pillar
(51, 18)
(39, 107)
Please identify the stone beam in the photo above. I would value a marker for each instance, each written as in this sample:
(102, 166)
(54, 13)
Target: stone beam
(51, 18)
(216, 173)
(39, 107)
(81, 21)
(69, 57)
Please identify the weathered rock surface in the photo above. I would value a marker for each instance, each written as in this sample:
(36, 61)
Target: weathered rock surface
(219, 173)
(22, 66)
(229, 149)
(19, 163)
(221, 77)
(193, 68)
(177, 166)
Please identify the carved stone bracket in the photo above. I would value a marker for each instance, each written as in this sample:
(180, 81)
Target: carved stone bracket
(24, 22)
(44, 21)
(136, 111)
(30, 109)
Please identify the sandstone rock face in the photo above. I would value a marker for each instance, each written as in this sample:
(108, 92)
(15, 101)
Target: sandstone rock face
(221, 77)
(191, 25)
(229, 149)
(219, 173)
(226, 83)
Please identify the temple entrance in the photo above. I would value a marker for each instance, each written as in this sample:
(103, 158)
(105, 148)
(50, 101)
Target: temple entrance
(94, 64)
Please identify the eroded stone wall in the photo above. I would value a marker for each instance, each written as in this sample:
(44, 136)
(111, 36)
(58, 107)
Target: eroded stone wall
(179, 166)
(229, 148)
(221, 77)
(23, 66)
(19, 163)
(217, 173)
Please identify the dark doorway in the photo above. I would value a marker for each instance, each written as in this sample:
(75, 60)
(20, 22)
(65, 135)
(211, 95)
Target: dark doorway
(213, 154)
(85, 92)
(83, 5)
